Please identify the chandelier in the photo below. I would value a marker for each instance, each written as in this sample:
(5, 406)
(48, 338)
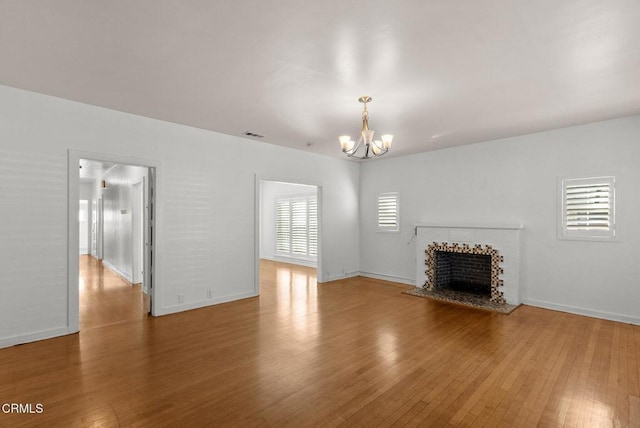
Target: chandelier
(371, 147)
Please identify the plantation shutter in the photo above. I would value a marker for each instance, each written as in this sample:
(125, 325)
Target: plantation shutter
(388, 204)
(299, 226)
(588, 207)
(313, 227)
(283, 226)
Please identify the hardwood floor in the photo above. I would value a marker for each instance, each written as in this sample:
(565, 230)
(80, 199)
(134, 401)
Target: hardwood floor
(106, 298)
(354, 352)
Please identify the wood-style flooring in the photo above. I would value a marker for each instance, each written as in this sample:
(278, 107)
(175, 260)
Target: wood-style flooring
(106, 298)
(354, 352)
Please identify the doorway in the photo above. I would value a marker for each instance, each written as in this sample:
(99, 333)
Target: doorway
(122, 236)
(113, 288)
(288, 224)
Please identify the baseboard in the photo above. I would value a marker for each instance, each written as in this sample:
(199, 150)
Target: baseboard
(391, 278)
(203, 303)
(117, 271)
(629, 319)
(35, 336)
(329, 278)
(292, 260)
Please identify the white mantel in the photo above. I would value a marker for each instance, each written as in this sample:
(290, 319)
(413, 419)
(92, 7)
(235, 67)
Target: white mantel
(471, 226)
(503, 237)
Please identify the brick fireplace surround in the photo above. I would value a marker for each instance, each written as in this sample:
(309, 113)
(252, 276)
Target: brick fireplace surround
(501, 242)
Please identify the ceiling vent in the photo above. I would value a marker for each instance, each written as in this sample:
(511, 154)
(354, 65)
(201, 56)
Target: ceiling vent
(253, 134)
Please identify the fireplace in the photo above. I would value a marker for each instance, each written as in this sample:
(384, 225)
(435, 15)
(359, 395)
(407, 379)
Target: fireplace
(461, 267)
(501, 242)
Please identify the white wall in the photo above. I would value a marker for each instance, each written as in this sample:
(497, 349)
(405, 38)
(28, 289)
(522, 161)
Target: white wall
(118, 227)
(270, 192)
(199, 245)
(515, 181)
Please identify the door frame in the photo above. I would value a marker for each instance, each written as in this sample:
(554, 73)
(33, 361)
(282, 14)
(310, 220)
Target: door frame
(257, 221)
(94, 228)
(137, 231)
(155, 238)
(99, 229)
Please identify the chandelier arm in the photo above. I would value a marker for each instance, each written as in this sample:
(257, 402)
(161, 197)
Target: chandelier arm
(357, 157)
(381, 150)
(352, 153)
(355, 148)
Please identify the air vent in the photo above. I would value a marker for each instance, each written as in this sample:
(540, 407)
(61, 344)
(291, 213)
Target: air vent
(253, 134)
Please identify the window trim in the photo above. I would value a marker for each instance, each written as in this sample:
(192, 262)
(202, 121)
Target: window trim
(587, 235)
(388, 229)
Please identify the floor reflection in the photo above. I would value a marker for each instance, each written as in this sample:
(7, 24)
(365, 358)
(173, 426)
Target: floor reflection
(583, 411)
(105, 297)
(297, 297)
(387, 346)
(290, 295)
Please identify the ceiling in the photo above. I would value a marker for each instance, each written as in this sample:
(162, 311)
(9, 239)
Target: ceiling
(91, 170)
(440, 73)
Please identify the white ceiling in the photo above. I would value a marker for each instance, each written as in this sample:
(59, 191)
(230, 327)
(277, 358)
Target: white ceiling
(91, 170)
(441, 73)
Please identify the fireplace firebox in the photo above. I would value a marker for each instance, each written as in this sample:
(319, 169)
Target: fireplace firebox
(465, 268)
(464, 272)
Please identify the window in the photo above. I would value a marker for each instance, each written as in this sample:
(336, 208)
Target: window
(388, 212)
(588, 208)
(297, 227)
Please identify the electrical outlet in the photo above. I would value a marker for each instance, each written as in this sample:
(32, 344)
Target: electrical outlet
(180, 298)
(209, 294)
